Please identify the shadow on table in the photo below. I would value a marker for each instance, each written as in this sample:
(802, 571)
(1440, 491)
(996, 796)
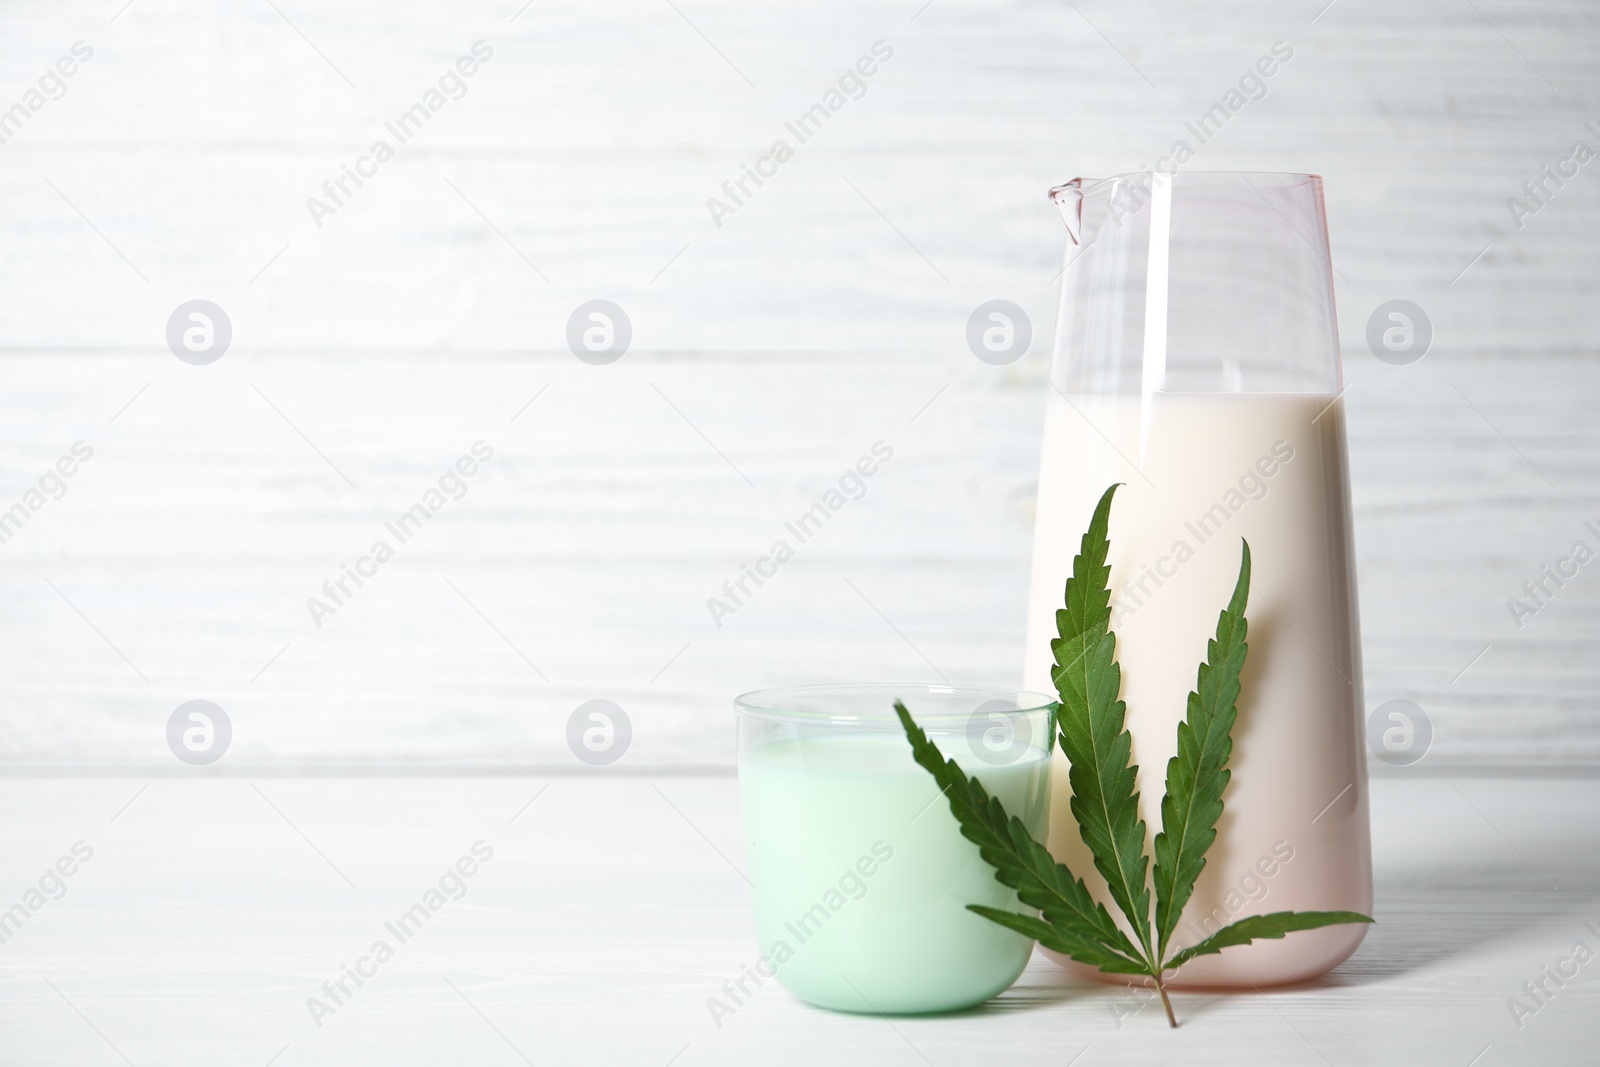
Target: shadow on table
(1429, 914)
(1426, 915)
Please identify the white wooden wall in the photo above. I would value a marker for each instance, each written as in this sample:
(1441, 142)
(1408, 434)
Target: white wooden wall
(768, 353)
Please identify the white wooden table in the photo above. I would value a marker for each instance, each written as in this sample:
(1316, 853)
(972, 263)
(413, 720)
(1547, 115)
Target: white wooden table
(613, 907)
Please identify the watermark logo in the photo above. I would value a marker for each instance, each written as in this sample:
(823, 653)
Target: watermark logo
(199, 332)
(851, 886)
(598, 332)
(450, 886)
(850, 486)
(1541, 189)
(1252, 887)
(450, 486)
(52, 485)
(52, 85)
(599, 732)
(1251, 87)
(1253, 484)
(338, 190)
(50, 887)
(999, 332)
(851, 85)
(1541, 589)
(1537, 991)
(199, 732)
(1399, 733)
(998, 733)
(1399, 332)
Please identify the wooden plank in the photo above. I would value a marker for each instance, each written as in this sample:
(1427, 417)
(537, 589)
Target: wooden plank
(594, 538)
(826, 313)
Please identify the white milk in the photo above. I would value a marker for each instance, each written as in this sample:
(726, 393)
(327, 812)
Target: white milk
(1211, 469)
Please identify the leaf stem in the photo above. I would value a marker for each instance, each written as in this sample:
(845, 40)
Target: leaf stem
(1161, 988)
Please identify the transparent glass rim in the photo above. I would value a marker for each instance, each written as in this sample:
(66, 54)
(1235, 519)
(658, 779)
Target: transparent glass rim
(1279, 179)
(777, 705)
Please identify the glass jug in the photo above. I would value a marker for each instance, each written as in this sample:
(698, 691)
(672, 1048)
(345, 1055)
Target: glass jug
(1197, 361)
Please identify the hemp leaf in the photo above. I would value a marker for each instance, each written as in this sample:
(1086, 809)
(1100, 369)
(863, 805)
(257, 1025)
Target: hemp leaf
(1105, 797)
(1099, 747)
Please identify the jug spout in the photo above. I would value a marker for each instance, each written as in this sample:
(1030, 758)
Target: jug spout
(1069, 198)
(1201, 281)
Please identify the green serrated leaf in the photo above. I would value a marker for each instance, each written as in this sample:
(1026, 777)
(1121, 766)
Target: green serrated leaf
(1198, 774)
(1105, 800)
(1061, 939)
(1023, 864)
(1272, 925)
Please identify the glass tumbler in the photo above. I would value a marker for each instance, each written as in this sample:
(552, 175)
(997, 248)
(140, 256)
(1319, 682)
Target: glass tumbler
(861, 876)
